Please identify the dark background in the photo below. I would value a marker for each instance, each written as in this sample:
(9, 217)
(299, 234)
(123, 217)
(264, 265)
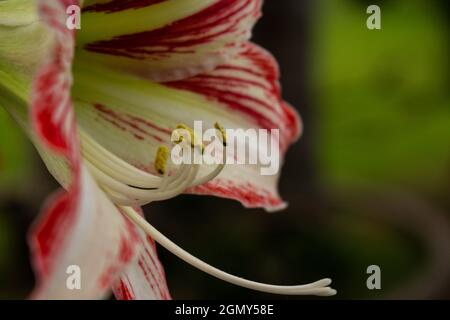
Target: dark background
(368, 183)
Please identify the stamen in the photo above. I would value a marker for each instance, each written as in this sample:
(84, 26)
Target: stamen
(130, 186)
(162, 156)
(221, 166)
(319, 288)
(129, 195)
(137, 196)
(178, 136)
(222, 133)
(115, 166)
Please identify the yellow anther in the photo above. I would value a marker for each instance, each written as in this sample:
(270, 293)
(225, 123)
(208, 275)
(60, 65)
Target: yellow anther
(194, 140)
(222, 132)
(177, 138)
(162, 155)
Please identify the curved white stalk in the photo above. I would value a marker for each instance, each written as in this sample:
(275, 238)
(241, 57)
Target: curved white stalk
(219, 167)
(209, 176)
(115, 166)
(319, 288)
(145, 196)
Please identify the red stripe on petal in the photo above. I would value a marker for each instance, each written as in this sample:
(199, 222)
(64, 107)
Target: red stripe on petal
(51, 113)
(122, 291)
(145, 278)
(249, 195)
(46, 237)
(136, 126)
(182, 48)
(50, 94)
(249, 85)
(217, 20)
(120, 5)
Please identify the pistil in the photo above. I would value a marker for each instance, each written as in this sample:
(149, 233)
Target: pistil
(128, 186)
(318, 288)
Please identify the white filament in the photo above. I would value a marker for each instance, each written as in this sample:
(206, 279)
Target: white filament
(114, 166)
(318, 288)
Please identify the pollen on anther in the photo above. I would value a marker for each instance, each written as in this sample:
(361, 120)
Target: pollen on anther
(222, 132)
(193, 139)
(162, 155)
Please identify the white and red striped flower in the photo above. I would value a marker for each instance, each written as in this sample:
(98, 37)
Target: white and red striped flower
(103, 100)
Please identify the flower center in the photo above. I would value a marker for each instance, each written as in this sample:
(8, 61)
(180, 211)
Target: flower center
(127, 186)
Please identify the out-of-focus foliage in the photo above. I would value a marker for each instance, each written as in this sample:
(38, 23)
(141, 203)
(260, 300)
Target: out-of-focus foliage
(5, 241)
(16, 176)
(15, 162)
(383, 95)
(383, 119)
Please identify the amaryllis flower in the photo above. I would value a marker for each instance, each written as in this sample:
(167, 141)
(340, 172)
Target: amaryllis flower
(100, 105)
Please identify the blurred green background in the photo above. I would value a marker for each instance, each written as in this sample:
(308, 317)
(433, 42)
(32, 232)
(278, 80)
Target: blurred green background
(368, 183)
